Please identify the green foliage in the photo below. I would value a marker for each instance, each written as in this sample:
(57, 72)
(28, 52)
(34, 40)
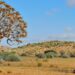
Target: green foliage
(9, 56)
(50, 54)
(12, 57)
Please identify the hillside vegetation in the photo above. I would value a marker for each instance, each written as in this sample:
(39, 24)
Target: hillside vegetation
(45, 58)
(57, 46)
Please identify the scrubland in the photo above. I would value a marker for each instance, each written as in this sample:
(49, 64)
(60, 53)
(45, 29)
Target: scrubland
(46, 58)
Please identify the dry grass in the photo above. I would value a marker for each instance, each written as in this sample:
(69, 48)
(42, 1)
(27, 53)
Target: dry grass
(34, 66)
(30, 71)
(28, 66)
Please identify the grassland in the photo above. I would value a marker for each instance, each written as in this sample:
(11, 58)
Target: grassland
(31, 65)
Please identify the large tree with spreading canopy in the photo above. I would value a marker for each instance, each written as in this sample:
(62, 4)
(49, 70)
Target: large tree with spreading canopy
(12, 26)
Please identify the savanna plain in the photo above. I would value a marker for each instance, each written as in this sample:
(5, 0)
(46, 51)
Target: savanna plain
(45, 58)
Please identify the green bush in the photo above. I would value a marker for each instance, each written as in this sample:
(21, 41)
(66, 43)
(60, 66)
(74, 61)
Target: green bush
(12, 57)
(50, 54)
(9, 56)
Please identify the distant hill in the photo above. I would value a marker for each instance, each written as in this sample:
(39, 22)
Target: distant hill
(43, 46)
(48, 45)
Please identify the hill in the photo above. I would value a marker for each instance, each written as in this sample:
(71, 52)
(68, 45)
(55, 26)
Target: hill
(30, 60)
(48, 45)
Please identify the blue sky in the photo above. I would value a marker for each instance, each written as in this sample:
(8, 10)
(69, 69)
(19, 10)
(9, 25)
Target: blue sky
(47, 19)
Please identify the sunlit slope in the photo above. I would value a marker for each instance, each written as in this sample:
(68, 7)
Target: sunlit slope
(49, 45)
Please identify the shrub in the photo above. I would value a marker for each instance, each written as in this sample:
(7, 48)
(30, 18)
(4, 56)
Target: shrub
(63, 54)
(9, 72)
(39, 64)
(12, 57)
(39, 55)
(9, 56)
(13, 52)
(72, 54)
(73, 71)
(0, 71)
(8, 64)
(50, 53)
(3, 55)
(23, 54)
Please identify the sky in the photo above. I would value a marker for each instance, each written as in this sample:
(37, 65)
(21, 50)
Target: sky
(47, 19)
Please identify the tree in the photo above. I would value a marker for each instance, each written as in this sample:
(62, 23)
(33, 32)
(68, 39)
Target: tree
(12, 26)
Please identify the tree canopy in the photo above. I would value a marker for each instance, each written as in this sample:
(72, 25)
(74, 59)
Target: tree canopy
(12, 26)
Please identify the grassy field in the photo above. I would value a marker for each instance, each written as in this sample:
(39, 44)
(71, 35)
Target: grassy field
(33, 66)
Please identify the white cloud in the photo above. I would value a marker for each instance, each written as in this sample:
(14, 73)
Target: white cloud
(63, 36)
(71, 2)
(67, 35)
